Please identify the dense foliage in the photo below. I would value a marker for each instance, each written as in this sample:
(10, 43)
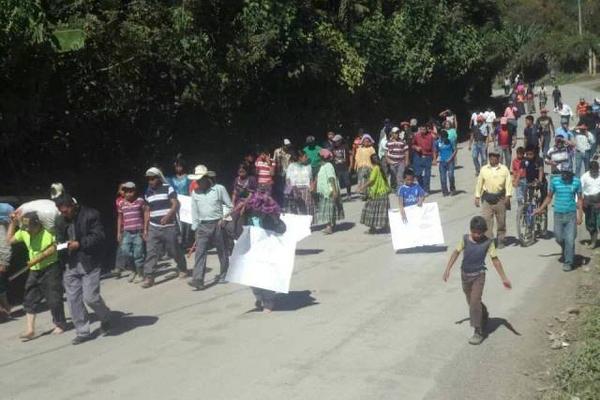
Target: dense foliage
(103, 89)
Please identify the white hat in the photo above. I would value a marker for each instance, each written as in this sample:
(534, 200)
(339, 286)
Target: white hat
(286, 142)
(128, 185)
(395, 129)
(200, 172)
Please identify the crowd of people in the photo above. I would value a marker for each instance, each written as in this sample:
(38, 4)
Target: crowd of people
(316, 179)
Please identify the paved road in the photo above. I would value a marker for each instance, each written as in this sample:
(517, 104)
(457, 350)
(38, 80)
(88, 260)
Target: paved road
(361, 322)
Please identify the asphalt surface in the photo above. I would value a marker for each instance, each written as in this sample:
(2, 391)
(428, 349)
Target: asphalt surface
(360, 322)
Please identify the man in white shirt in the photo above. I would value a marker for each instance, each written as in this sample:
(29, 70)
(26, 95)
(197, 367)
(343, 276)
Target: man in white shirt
(564, 111)
(590, 185)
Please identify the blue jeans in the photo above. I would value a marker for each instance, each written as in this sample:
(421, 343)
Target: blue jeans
(479, 151)
(447, 173)
(422, 167)
(582, 158)
(521, 190)
(132, 246)
(565, 232)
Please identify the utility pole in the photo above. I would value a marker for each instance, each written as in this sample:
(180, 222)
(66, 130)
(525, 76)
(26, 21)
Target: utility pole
(591, 55)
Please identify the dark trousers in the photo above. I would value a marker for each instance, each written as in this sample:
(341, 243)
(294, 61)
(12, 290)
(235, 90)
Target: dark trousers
(83, 289)
(473, 289)
(46, 283)
(206, 234)
(265, 297)
(160, 239)
(422, 168)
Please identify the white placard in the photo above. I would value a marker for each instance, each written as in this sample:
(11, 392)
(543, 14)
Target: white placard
(297, 226)
(424, 227)
(185, 208)
(262, 259)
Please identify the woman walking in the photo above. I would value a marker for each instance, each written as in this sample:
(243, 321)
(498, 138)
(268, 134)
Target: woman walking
(330, 207)
(362, 162)
(299, 186)
(375, 211)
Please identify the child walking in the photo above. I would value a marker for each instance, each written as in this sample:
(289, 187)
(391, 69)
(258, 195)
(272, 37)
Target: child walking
(476, 247)
(131, 228)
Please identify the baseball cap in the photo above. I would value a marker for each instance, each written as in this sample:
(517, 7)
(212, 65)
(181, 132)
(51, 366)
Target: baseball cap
(128, 185)
(286, 142)
(395, 129)
(337, 138)
(310, 139)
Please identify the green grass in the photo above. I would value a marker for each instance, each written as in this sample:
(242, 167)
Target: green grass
(578, 373)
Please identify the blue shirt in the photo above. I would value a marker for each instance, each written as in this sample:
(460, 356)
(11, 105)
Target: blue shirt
(181, 185)
(565, 133)
(411, 194)
(444, 150)
(565, 194)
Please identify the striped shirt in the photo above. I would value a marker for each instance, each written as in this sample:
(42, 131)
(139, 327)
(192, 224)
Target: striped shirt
(132, 214)
(565, 194)
(263, 172)
(396, 150)
(159, 202)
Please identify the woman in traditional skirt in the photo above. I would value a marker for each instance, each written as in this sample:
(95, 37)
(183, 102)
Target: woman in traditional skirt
(330, 207)
(375, 212)
(299, 186)
(362, 162)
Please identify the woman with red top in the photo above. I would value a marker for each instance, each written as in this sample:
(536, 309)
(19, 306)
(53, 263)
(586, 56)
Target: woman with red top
(265, 169)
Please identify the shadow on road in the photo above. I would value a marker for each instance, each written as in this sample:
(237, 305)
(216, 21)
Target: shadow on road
(294, 300)
(125, 322)
(494, 323)
(308, 252)
(424, 249)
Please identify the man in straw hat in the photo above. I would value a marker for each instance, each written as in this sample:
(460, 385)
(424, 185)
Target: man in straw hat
(208, 201)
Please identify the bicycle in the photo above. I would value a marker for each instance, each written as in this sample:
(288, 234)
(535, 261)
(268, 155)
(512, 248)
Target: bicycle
(529, 225)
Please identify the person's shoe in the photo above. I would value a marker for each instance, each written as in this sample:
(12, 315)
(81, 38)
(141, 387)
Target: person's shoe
(81, 339)
(148, 283)
(222, 278)
(105, 328)
(118, 273)
(58, 330)
(567, 267)
(183, 275)
(476, 339)
(561, 259)
(132, 277)
(196, 284)
(258, 305)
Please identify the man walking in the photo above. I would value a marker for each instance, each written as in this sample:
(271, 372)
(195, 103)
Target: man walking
(80, 228)
(341, 163)
(478, 143)
(161, 226)
(397, 156)
(493, 192)
(556, 96)
(545, 126)
(422, 146)
(45, 275)
(208, 201)
(565, 189)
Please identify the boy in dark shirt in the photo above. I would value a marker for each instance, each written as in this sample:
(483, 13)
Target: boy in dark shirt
(476, 247)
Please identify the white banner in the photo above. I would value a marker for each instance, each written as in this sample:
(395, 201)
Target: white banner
(423, 227)
(297, 226)
(265, 259)
(185, 208)
(262, 259)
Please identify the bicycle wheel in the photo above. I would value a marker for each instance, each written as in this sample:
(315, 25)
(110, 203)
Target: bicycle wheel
(524, 229)
(541, 225)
